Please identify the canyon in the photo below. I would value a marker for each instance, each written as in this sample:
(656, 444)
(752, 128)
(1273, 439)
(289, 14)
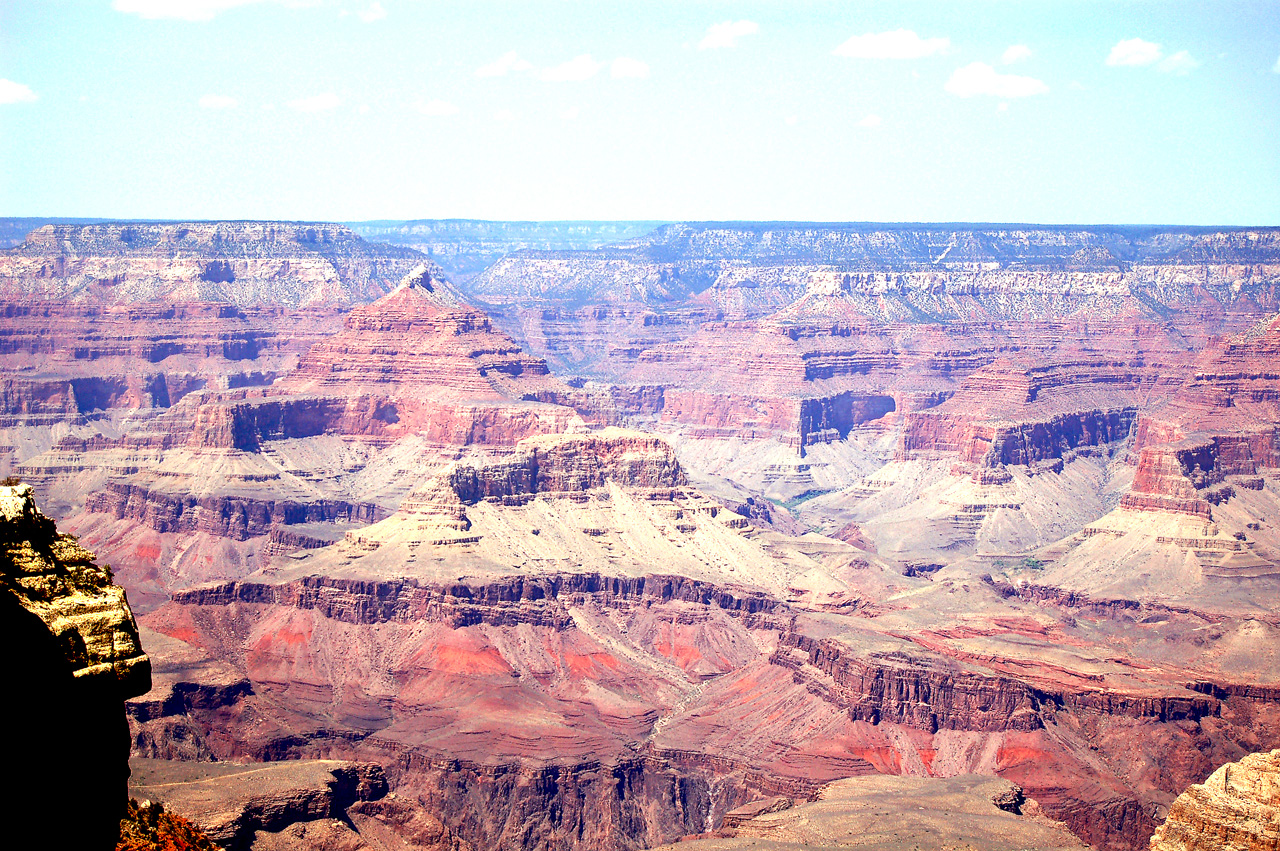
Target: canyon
(550, 544)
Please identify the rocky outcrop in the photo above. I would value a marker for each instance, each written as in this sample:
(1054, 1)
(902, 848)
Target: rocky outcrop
(1236, 809)
(418, 361)
(571, 465)
(233, 517)
(234, 805)
(940, 693)
(72, 656)
(893, 813)
(242, 263)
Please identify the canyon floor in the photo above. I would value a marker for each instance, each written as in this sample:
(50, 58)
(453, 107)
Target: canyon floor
(521, 539)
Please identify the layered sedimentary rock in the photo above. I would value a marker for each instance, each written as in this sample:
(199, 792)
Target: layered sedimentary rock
(466, 247)
(506, 647)
(302, 804)
(73, 657)
(894, 814)
(410, 383)
(418, 361)
(243, 263)
(1046, 341)
(1236, 809)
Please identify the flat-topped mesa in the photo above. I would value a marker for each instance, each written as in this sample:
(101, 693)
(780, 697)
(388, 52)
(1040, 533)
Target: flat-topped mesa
(287, 263)
(72, 654)
(571, 465)
(1236, 809)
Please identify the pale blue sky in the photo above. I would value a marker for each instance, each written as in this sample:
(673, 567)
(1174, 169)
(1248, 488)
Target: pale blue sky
(1130, 111)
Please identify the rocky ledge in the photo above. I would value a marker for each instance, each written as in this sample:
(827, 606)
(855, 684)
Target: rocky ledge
(1236, 809)
(72, 656)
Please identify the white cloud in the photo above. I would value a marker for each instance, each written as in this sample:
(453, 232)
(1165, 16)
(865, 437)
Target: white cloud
(185, 10)
(1276, 67)
(895, 44)
(727, 34)
(375, 12)
(437, 108)
(504, 115)
(624, 67)
(503, 65)
(316, 103)
(578, 68)
(871, 120)
(569, 114)
(1180, 63)
(217, 102)
(1015, 53)
(11, 92)
(792, 120)
(979, 78)
(1134, 51)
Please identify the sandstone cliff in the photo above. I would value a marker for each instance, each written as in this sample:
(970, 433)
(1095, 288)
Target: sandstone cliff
(1236, 809)
(73, 656)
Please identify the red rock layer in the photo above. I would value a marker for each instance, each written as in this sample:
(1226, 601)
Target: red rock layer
(415, 362)
(1219, 426)
(233, 517)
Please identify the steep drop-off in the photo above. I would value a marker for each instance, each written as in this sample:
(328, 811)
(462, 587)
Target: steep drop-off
(73, 656)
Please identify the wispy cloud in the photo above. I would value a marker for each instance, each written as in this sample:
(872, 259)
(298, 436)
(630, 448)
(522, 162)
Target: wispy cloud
(1276, 68)
(570, 114)
(316, 103)
(727, 34)
(1015, 53)
(504, 115)
(624, 67)
(1180, 63)
(189, 10)
(11, 92)
(375, 12)
(578, 68)
(1134, 51)
(871, 120)
(895, 44)
(217, 102)
(503, 65)
(437, 108)
(979, 78)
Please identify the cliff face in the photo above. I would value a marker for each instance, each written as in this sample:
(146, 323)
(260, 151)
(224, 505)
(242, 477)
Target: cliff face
(466, 247)
(243, 263)
(73, 658)
(1236, 809)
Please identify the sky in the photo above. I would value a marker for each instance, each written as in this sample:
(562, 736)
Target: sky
(1131, 111)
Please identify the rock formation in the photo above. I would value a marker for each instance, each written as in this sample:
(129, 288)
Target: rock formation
(919, 501)
(242, 263)
(894, 814)
(1236, 809)
(73, 657)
